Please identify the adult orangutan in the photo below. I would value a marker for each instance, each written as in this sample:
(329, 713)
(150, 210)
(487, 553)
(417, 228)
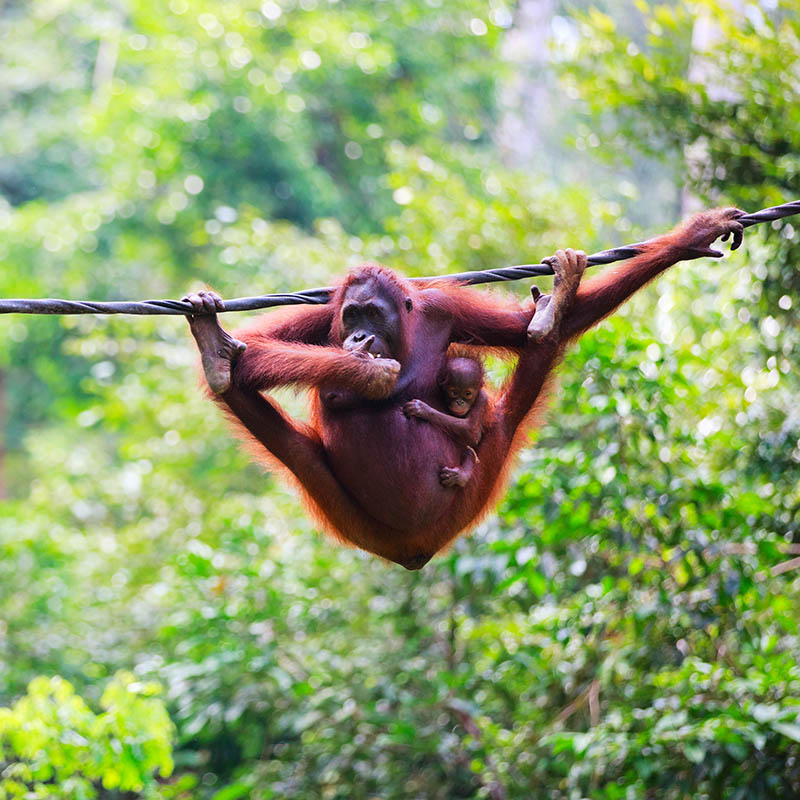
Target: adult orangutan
(368, 472)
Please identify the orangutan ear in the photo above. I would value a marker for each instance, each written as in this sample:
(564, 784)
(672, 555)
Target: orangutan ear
(409, 304)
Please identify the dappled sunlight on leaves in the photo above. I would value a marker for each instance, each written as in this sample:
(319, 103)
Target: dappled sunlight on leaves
(624, 625)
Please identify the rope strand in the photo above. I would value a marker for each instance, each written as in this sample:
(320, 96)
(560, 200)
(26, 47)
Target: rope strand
(321, 296)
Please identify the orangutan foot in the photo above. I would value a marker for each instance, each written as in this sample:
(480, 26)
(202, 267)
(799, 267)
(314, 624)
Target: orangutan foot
(218, 349)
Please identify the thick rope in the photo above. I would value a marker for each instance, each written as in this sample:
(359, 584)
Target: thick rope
(320, 296)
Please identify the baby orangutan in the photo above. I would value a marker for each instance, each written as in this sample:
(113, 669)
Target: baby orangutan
(461, 382)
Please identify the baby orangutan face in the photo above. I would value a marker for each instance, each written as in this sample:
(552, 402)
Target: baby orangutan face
(461, 381)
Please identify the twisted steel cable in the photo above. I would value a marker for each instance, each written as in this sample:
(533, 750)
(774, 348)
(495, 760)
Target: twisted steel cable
(320, 296)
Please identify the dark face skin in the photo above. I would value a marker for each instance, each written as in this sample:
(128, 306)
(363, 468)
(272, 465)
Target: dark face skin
(367, 312)
(461, 383)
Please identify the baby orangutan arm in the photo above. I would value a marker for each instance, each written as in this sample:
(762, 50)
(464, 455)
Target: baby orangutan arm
(465, 431)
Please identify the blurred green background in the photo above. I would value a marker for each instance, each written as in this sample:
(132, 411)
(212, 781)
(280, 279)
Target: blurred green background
(171, 624)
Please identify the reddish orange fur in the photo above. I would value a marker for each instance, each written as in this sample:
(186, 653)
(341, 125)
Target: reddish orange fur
(368, 474)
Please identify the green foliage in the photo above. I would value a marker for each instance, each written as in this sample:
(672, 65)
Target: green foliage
(624, 626)
(53, 746)
(729, 106)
